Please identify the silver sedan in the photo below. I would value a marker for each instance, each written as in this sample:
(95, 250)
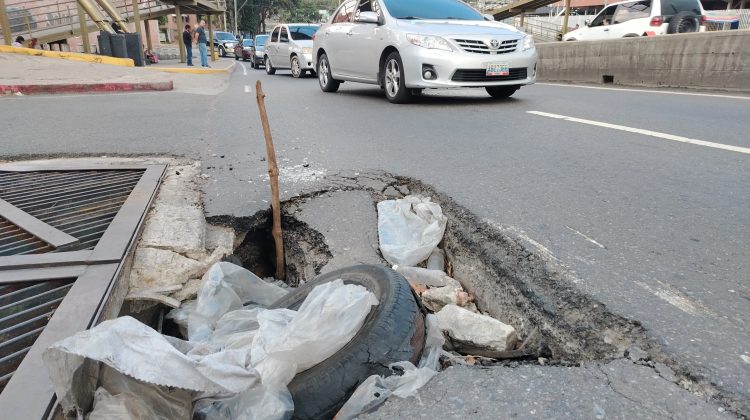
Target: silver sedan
(409, 45)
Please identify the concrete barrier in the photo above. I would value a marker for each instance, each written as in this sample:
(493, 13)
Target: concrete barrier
(708, 60)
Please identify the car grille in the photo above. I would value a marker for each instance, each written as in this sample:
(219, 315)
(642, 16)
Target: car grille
(480, 75)
(480, 47)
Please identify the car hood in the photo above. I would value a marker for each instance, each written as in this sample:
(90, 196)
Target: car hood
(458, 27)
(573, 34)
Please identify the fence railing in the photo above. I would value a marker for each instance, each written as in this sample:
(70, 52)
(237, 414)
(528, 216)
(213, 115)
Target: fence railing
(541, 30)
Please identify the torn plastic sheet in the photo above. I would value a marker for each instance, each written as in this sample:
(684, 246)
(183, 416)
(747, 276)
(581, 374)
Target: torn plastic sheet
(246, 380)
(225, 287)
(409, 229)
(376, 389)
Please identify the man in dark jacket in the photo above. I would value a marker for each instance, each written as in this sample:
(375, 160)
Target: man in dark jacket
(187, 39)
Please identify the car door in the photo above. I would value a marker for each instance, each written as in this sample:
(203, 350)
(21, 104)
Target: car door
(335, 37)
(363, 44)
(284, 49)
(631, 19)
(600, 27)
(272, 45)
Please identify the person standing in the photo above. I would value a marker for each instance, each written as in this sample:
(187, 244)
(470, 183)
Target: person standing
(187, 39)
(202, 40)
(18, 42)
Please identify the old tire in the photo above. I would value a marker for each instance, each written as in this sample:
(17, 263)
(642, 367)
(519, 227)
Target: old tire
(295, 67)
(393, 331)
(269, 67)
(394, 79)
(325, 76)
(500, 92)
(683, 22)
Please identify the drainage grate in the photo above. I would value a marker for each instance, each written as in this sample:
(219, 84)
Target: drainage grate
(81, 204)
(65, 233)
(25, 309)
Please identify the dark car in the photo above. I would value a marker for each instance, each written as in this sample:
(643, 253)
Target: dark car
(258, 50)
(243, 50)
(224, 42)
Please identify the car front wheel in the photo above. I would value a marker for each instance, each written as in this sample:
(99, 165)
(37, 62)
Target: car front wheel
(269, 67)
(500, 92)
(325, 78)
(222, 52)
(393, 80)
(295, 66)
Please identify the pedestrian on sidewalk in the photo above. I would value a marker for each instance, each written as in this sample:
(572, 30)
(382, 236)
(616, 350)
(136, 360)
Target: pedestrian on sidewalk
(187, 38)
(19, 42)
(202, 40)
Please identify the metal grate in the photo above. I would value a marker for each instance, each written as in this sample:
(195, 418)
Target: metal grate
(79, 203)
(25, 309)
(481, 47)
(480, 75)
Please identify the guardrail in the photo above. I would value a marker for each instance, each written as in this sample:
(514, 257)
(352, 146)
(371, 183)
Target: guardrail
(541, 30)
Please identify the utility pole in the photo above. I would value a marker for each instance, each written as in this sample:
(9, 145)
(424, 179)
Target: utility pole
(235, 16)
(565, 19)
(5, 24)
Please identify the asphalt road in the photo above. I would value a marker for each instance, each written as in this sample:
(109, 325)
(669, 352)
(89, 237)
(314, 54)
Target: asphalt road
(657, 229)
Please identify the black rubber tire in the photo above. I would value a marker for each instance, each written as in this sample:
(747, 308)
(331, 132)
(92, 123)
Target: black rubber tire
(295, 73)
(325, 77)
(269, 66)
(500, 92)
(388, 335)
(222, 52)
(236, 57)
(402, 94)
(683, 22)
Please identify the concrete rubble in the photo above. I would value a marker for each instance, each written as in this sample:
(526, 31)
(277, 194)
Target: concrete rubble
(177, 246)
(468, 330)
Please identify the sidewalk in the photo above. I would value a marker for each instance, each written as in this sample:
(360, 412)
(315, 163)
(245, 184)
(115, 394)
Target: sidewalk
(43, 75)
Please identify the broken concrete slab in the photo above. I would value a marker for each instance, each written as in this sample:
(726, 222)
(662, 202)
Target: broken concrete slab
(475, 331)
(154, 268)
(348, 221)
(616, 390)
(176, 221)
(437, 298)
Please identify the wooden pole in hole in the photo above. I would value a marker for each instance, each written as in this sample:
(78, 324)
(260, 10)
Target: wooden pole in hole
(273, 177)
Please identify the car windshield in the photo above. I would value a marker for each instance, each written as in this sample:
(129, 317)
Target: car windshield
(431, 9)
(260, 40)
(247, 43)
(224, 36)
(302, 33)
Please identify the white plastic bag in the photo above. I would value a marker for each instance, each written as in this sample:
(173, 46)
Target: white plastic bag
(409, 229)
(376, 389)
(328, 319)
(226, 287)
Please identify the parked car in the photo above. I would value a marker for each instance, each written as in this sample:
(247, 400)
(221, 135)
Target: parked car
(258, 50)
(409, 45)
(290, 47)
(641, 18)
(224, 42)
(243, 50)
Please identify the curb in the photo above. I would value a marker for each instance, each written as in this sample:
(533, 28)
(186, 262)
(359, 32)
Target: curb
(85, 88)
(188, 70)
(89, 58)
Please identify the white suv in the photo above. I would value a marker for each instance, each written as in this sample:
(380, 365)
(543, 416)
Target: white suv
(642, 18)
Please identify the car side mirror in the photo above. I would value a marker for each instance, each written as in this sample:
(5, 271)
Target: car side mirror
(368, 17)
(586, 22)
(488, 17)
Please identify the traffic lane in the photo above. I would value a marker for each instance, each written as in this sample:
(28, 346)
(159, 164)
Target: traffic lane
(715, 119)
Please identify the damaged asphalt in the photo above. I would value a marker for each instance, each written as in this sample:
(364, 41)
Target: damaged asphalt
(656, 232)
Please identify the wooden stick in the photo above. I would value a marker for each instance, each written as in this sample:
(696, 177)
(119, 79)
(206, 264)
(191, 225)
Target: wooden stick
(273, 177)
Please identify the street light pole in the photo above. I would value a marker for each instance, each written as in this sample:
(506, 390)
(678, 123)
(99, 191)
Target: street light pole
(235, 17)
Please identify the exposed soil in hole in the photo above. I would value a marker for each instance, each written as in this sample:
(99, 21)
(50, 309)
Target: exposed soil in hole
(305, 250)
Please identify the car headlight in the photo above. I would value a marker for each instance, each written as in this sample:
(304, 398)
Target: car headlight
(528, 43)
(429, 41)
(306, 50)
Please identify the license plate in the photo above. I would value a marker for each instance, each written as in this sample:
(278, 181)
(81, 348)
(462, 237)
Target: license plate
(498, 69)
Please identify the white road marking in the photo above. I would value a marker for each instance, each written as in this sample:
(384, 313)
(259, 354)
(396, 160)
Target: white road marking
(677, 299)
(665, 92)
(248, 89)
(244, 69)
(657, 134)
(586, 237)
